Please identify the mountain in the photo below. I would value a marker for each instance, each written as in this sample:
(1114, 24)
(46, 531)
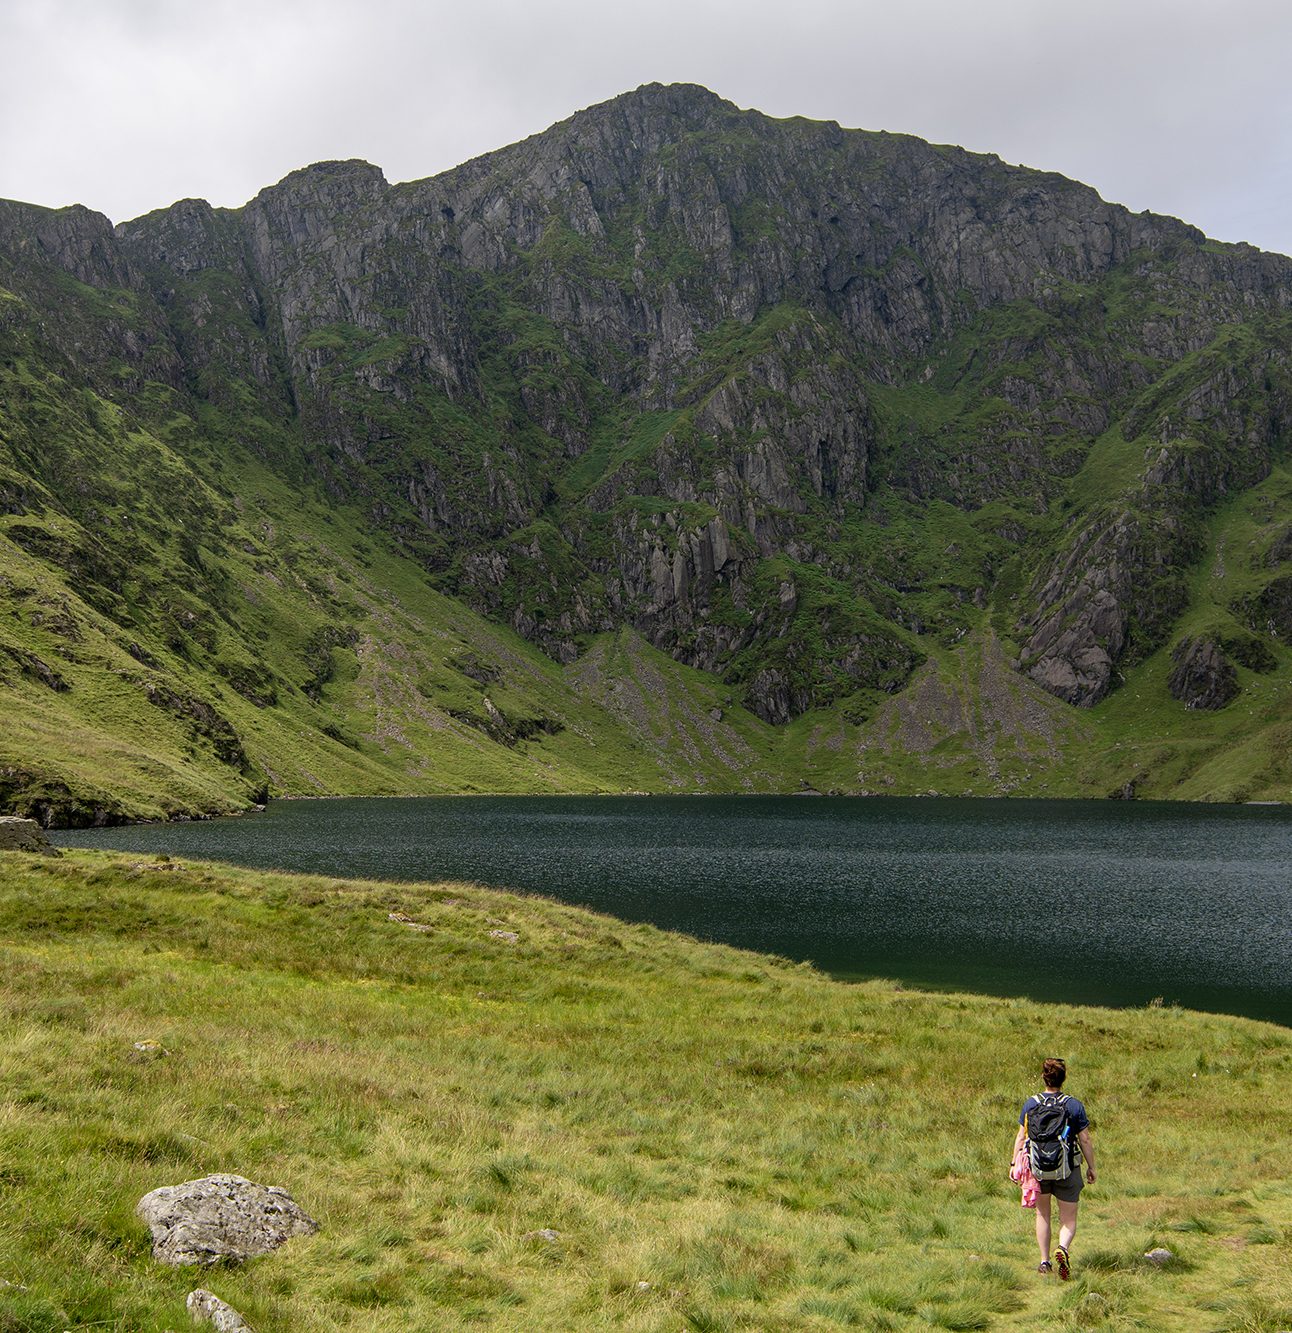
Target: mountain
(674, 448)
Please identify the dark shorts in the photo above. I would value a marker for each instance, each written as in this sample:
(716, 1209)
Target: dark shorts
(1066, 1191)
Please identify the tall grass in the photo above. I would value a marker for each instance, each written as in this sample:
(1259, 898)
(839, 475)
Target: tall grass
(720, 1140)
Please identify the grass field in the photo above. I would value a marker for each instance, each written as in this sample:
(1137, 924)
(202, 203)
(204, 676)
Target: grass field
(722, 1140)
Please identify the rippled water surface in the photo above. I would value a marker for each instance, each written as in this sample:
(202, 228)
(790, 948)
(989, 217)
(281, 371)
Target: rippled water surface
(1084, 901)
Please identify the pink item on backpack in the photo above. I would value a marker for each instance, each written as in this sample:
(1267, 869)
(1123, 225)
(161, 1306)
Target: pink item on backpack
(1021, 1174)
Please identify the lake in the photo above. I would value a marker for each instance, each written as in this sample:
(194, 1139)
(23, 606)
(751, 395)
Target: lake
(1083, 901)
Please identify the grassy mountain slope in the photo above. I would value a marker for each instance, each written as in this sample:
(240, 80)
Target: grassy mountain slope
(337, 669)
(259, 640)
(403, 708)
(332, 667)
(721, 1140)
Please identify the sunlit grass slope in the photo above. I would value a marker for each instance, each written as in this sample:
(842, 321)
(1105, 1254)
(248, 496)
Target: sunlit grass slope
(721, 1140)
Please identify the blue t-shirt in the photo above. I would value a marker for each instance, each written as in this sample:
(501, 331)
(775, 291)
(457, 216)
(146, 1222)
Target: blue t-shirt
(1077, 1116)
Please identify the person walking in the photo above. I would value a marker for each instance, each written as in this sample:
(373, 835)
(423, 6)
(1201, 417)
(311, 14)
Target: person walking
(1062, 1119)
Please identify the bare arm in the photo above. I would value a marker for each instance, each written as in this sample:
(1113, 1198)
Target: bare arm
(1088, 1152)
(1018, 1143)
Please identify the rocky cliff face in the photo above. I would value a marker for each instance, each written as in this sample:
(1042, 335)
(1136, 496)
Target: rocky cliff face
(681, 367)
(1202, 676)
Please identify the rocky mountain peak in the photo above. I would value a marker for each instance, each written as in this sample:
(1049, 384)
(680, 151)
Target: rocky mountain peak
(326, 191)
(656, 112)
(344, 178)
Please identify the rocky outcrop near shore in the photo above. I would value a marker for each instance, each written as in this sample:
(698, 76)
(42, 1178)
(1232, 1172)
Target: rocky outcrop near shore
(24, 835)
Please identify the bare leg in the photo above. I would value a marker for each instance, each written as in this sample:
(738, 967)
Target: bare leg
(1067, 1223)
(1043, 1226)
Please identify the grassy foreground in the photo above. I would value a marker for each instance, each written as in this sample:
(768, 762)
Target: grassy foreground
(722, 1140)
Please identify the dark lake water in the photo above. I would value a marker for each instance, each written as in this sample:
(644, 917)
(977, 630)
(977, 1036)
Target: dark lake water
(1083, 901)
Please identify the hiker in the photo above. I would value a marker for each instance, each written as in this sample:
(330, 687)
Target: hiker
(1055, 1131)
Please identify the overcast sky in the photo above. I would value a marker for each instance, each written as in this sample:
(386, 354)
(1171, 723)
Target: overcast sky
(127, 105)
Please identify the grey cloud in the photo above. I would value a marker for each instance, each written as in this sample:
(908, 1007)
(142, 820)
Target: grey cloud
(127, 105)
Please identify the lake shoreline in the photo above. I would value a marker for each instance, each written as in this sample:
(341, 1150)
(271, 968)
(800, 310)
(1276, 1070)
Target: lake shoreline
(236, 812)
(1176, 903)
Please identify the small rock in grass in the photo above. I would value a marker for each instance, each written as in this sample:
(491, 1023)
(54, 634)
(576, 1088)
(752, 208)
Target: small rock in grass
(643, 1286)
(220, 1217)
(150, 1047)
(1159, 1256)
(162, 862)
(546, 1234)
(207, 1308)
(509, 935)
(405, 920)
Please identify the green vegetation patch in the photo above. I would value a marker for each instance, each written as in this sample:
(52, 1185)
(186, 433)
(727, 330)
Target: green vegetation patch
(714, 1139)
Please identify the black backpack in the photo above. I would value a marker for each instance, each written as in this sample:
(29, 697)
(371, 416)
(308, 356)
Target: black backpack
(1049, 1137)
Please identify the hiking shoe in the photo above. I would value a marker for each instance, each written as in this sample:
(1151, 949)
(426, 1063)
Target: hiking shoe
(1044, 1267)
(1065, 1268)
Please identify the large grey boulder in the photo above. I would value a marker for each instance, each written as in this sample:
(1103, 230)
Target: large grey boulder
(24, 835)
(220, 1217)
(207, 1308)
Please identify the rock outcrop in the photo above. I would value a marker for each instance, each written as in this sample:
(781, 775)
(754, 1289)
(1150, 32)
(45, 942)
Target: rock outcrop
(24, 835)
(1201, 675)
(220, 1217)
(1270, 610)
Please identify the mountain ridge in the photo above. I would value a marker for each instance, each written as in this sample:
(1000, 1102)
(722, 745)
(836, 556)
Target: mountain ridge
(803, 407)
